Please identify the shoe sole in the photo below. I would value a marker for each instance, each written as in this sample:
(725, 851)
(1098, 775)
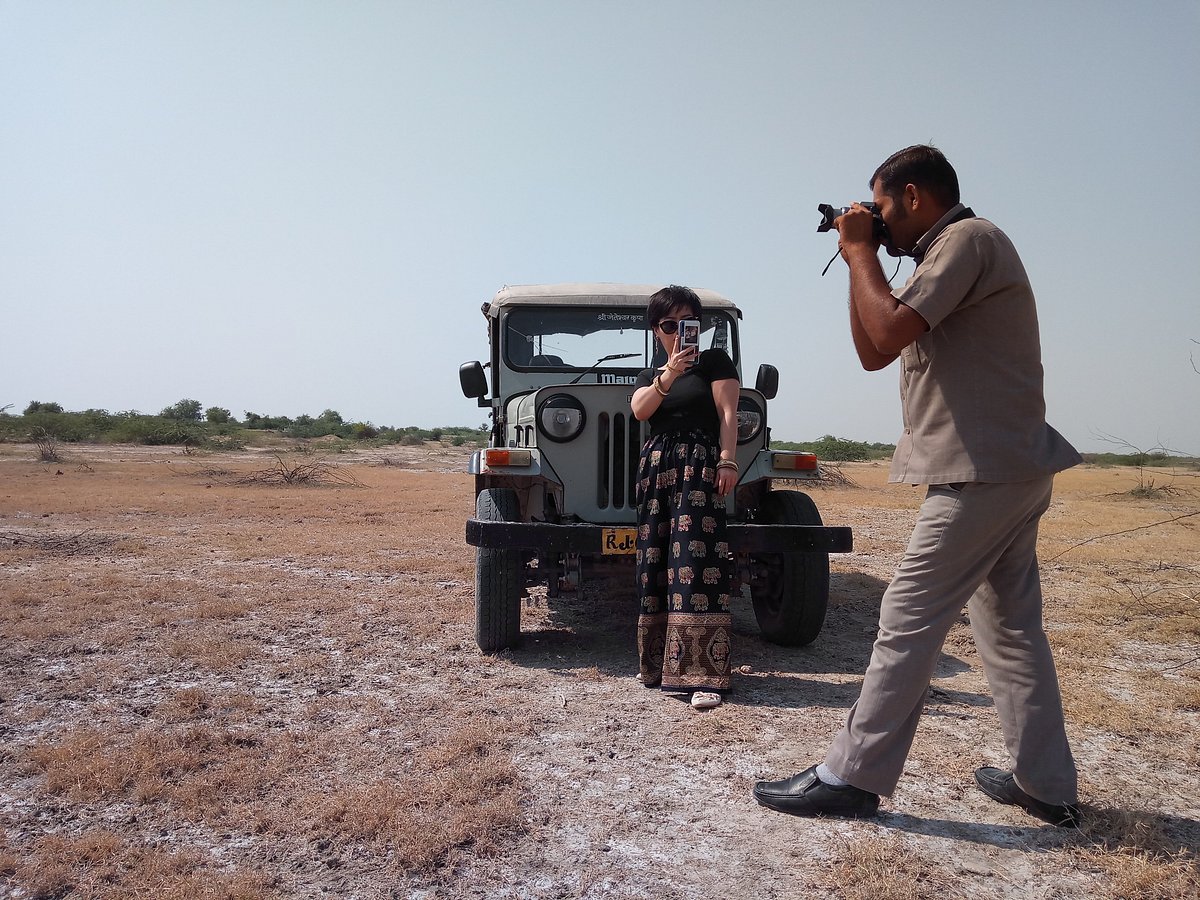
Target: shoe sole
(818, 814)
(1008, 792)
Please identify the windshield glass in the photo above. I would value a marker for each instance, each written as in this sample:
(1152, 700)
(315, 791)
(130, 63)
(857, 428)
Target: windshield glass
(575, 339)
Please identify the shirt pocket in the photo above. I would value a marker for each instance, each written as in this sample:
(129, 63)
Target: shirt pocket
(914, 357)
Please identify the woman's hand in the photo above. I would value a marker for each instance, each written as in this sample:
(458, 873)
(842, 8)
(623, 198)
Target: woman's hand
(678, 361)
(726, 481)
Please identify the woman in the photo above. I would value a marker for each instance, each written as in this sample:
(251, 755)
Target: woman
(687, 467)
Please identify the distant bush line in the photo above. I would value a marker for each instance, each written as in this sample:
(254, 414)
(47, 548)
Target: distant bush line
(1154, 459)
(184, 424)
(835, 449)
(188, 424)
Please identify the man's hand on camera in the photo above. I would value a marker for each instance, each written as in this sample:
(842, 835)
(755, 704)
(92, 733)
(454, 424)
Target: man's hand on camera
(856, 227)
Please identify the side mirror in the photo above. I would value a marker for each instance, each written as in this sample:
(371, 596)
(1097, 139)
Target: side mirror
(473, 381)
(767, 382)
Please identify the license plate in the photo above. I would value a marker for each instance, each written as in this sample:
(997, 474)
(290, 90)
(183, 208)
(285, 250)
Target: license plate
(615, 541)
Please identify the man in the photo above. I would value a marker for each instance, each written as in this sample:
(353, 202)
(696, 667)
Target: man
(965, 329)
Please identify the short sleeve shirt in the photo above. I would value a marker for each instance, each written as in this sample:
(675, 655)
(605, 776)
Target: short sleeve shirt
(689, 405)
(971, 386)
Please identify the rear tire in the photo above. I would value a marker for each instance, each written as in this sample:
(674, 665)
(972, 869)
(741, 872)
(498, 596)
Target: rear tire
(790, 591)
(499, 576)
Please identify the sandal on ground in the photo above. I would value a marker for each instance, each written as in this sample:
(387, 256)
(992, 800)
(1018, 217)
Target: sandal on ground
(705, 700)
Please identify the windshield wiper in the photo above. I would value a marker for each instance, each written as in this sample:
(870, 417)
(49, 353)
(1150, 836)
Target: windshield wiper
(604, 359)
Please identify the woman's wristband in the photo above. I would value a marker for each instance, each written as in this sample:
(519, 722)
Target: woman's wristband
(657, 384)
(728, 464)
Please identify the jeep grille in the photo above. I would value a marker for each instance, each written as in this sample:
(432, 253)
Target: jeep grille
(619, 443)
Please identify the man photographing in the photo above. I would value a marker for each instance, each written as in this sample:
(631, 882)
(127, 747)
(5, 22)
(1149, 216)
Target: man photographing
(965, 329)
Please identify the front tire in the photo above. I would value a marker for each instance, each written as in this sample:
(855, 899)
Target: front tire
(499, 576)
(790, 591)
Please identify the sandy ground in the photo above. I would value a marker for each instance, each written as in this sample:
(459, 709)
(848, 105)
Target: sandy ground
(143, 593)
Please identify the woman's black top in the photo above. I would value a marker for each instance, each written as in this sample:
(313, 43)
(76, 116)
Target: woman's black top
(689, 404)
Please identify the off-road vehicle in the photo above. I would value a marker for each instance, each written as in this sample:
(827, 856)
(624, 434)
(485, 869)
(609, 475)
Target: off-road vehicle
(555, 487)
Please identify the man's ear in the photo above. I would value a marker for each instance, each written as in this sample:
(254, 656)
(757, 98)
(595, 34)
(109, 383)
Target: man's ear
(912, 197)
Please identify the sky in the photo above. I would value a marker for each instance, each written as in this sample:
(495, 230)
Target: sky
(287, 207)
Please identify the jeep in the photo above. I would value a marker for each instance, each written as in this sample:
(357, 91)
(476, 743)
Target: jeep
(555, 487)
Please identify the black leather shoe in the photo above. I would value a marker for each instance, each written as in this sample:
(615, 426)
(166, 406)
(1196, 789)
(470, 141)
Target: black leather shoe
(999, 784)
(807, 795)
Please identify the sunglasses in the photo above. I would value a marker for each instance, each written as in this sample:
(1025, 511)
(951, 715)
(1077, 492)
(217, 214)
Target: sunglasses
(668, 326)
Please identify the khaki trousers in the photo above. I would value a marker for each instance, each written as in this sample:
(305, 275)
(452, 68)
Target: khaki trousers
(974, 544)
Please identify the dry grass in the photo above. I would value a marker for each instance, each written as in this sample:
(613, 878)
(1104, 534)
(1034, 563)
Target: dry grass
(460, 793)
(1141, 858)
(214, 690)
(101, 864)
(876, 867)
(152, 627)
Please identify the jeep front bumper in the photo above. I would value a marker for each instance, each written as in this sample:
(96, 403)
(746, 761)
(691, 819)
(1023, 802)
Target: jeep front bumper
(599, 540)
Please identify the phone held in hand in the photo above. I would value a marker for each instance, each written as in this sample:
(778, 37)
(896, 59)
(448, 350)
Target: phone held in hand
(689, 337)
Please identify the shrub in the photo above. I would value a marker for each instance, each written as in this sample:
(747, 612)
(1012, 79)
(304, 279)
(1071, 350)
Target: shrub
(184, 411)
(36, 406)
(46, 443)
(154, 431)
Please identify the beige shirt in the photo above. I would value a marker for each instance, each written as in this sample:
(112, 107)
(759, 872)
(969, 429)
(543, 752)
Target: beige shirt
(971, 386)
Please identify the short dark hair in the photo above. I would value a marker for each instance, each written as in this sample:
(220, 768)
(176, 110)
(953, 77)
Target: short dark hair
(922, 165)
(666, 299)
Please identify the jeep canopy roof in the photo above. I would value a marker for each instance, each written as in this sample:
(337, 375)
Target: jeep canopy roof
(600, 294)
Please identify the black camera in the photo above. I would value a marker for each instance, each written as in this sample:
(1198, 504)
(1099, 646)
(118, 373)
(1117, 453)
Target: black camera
(829, 213)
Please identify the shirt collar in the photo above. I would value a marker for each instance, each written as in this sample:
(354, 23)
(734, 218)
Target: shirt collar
(928, 237)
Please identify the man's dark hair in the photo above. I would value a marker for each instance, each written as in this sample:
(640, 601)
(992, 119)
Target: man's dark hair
(666, 299)
(922, 165)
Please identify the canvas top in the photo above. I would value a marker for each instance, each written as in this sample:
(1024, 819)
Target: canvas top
(599, 294)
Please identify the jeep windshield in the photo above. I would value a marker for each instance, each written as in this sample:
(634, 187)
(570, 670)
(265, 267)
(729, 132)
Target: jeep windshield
(572, 340)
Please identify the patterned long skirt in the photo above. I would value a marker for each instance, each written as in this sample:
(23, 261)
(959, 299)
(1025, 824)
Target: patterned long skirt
(683, 566)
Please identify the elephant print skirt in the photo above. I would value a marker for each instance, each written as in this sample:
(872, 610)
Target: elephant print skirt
(683, 566)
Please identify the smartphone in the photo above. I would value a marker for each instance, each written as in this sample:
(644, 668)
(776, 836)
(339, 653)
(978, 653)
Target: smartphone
(689, 336)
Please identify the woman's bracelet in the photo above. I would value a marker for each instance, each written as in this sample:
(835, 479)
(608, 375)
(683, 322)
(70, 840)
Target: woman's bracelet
(658, 386)
(728, 464)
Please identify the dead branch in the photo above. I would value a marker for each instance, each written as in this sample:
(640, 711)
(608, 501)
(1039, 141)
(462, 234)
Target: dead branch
(1182, 665)
(830, 473)
(85, 541)
(308, 474)
(212, 473)
(1101, 537)
(46, 443)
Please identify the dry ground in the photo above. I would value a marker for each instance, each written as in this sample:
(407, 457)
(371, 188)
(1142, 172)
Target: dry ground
(222, 689)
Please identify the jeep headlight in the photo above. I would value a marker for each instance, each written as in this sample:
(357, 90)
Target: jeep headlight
(561, 417)
(750, 420)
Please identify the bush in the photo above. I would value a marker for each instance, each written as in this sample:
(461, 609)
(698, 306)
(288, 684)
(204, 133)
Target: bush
(67, 427)
(46, 444)
(184, 411)
(217, 415)
(155, 431)
(36, 406)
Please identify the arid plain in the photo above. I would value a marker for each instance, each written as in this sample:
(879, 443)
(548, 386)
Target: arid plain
(214, 684)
